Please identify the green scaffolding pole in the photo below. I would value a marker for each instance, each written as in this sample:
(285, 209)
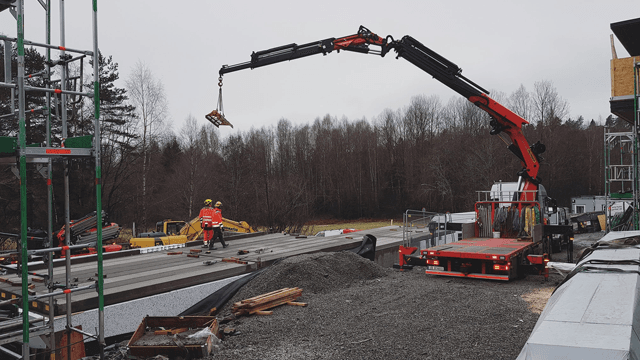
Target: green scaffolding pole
(52, 341)
(23, 181)
(97, 141)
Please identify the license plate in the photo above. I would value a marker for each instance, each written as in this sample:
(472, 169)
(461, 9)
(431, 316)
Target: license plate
(439, 268)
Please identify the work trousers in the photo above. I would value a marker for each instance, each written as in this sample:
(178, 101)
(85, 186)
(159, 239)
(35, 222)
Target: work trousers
(217, 234)
(208, 234)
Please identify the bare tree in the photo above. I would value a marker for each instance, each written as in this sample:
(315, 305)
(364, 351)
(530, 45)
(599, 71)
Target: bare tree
(547, 104)
(190, 169)
(422, 119)
(465, 117)
(148, 96)
(520, 102)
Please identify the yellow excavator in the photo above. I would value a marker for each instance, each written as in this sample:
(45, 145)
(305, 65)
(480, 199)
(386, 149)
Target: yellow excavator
(169, 232)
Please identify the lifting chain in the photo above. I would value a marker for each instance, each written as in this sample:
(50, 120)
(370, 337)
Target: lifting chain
(219, 107)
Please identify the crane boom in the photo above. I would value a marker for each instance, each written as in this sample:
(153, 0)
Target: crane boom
(504, 121)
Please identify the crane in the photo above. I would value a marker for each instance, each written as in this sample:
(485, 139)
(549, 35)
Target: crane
(473, 257)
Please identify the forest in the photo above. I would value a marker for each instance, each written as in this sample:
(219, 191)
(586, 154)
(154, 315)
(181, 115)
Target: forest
(432, 154)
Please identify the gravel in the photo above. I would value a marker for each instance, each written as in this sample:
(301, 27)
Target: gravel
(359, 310)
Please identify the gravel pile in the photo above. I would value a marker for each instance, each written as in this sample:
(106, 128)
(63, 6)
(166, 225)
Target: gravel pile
(318, 273)
(359, 310)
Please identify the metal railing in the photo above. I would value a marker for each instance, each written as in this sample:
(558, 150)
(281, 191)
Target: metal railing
(431, 227)
(507, 197)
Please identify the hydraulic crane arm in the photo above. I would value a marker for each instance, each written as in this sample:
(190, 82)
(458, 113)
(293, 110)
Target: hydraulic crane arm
(358, 43)
(504, 121)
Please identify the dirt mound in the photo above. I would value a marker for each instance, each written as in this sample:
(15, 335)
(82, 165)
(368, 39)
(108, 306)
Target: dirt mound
(317, 273)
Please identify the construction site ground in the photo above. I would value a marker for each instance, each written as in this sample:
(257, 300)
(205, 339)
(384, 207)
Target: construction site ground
(360, 310)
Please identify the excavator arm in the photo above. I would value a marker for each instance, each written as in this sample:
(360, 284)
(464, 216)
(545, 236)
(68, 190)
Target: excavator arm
(193, 228)
(505, 123)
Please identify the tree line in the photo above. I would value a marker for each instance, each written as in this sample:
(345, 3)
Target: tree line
(428, 154)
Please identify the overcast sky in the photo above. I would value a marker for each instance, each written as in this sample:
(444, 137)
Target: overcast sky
(498, 44)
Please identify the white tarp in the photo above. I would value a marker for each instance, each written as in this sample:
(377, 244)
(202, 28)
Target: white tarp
(594, 314)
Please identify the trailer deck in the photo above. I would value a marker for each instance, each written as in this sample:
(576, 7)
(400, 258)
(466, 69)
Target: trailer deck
(481, 248)
(502, 255)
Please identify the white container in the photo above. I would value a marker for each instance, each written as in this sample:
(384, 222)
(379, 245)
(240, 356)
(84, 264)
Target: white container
(496, 234)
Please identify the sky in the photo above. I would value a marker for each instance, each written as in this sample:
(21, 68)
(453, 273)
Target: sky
(500, 45)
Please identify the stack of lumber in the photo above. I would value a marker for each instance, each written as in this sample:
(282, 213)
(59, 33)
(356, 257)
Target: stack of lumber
(260, 303)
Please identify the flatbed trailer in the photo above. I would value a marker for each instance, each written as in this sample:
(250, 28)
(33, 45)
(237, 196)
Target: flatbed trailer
(480, 258)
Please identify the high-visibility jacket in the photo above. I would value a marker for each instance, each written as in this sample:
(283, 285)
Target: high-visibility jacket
(206, 217)
(217, 217)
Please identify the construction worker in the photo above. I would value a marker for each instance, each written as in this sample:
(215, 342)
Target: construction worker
(217, 226)
(206, 221)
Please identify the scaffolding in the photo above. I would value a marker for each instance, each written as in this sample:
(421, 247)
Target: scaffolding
(622, 186)
(42, 157)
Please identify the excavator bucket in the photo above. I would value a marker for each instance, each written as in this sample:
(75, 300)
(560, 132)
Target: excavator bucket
(217, 118)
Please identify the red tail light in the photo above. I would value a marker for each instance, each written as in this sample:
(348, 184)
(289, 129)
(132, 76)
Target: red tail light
(501, 267)
(433, 262)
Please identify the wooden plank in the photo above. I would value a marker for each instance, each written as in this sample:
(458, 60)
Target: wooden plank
(295, 303)
(170, 331)
(266, 301)
(258, 300)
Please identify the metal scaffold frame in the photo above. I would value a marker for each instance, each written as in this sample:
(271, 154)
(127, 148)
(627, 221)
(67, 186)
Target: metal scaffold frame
(622, 185)
(45, 155)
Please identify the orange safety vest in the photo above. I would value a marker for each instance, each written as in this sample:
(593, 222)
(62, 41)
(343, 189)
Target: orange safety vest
(206, 216)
